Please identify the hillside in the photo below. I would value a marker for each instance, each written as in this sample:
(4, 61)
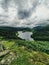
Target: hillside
(21, 52)
(11, 29)
(25, 52)
(41, 33)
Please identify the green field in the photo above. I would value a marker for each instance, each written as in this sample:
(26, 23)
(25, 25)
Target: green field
(27, 52)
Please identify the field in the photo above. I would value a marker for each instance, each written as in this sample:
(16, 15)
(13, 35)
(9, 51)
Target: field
(25, 52)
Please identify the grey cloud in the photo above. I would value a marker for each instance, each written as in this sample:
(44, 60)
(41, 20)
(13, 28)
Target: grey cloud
(5, 4)
(23, 14)
(27, 12)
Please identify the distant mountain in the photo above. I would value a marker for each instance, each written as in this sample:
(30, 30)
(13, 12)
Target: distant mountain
(38, 27)
(44, 28)
(7, 28)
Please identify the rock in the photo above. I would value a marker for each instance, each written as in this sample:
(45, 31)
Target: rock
(8, 59)
(2, 47)
(3, 61)
(2, 53)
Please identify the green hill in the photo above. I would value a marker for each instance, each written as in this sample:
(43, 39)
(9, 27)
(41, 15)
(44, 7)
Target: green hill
(41, 33)
(25, 52)
(22, 52)
(11, 29)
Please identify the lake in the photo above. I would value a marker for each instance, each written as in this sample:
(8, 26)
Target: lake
(25, 35)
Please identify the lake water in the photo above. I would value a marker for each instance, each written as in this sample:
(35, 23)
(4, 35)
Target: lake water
(25, 35)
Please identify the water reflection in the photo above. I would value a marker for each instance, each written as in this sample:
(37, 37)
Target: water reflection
(25, 35)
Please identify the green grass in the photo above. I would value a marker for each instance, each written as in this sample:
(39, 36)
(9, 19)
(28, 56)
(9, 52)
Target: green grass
(28, 52)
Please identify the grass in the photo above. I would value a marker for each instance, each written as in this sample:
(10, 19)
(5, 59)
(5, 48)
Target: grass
(28, 52)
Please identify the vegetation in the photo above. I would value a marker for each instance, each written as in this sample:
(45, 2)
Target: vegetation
(41, 33)
(27, 52)
(22, 52)
(14, 29)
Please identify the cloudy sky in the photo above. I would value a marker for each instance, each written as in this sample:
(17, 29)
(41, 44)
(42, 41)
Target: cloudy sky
(24, 13)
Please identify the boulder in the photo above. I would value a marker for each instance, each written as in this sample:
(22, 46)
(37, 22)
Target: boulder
(2, 48)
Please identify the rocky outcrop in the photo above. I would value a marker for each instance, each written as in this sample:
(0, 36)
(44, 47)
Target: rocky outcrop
(8, 59)
(2, 48)
(2, 53)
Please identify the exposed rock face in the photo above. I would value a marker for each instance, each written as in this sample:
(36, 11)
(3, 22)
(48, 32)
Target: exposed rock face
(8, 59)
(2, 48)
(10, 56)
(3, 51)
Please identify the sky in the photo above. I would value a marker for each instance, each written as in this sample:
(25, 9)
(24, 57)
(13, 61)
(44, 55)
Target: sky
(24, 13)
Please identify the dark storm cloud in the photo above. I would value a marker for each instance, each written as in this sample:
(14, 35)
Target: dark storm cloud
(23, 14)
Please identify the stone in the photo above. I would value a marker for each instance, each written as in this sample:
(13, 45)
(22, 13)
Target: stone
(2, 47)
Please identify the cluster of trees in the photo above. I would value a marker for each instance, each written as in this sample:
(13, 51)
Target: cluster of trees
(41, 34)
(8, 34)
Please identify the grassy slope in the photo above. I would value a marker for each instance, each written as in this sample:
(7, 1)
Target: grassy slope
(28, 53)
